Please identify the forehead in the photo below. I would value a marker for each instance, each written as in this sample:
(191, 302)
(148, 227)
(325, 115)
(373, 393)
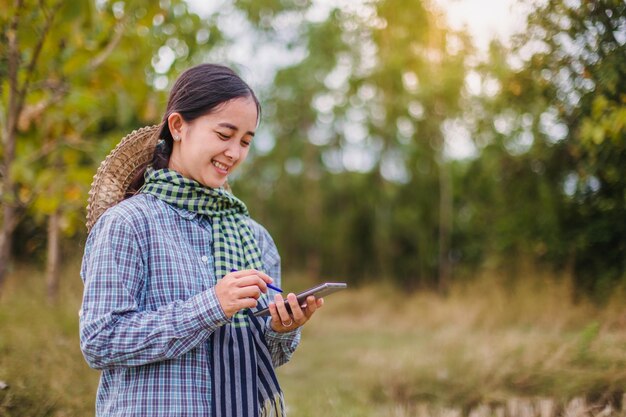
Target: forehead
(242, 113)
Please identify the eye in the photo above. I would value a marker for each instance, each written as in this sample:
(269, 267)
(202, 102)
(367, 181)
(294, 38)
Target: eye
(223, 136)
(245, 143)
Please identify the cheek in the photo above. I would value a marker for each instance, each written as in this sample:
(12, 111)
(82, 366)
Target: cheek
(195, 159)
(193, 155)
(201, 151)
(244, 154)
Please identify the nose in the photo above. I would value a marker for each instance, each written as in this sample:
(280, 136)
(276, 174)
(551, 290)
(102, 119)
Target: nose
(233, 150)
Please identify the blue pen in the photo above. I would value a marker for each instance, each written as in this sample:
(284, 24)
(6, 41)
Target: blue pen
(275, 288)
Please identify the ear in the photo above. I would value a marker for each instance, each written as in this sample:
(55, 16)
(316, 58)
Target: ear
(176, 122)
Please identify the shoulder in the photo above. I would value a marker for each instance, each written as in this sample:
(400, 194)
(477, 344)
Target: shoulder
(134, 208)
(265, 242)
(259, 232)
(128, 216)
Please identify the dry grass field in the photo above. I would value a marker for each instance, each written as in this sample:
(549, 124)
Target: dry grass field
(376, 351)
(524, 350)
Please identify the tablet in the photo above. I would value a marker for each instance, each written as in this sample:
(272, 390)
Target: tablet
(318, 291)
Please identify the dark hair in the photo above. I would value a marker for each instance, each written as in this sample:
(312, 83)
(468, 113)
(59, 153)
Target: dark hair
(198, 91)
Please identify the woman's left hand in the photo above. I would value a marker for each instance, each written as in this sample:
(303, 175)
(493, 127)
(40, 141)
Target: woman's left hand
(283, 322)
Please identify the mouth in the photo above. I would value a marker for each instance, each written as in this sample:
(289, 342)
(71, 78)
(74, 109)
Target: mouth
(220, 166)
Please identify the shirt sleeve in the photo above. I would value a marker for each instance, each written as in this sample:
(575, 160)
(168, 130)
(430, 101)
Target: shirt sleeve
(113, 330)
(281, 345)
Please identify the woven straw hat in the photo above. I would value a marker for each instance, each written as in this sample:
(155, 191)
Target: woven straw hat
(118, 170)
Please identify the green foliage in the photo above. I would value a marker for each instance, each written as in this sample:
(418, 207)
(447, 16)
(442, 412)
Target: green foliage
(369, 78)
(95, 80)
(568, 93)
(351, 173)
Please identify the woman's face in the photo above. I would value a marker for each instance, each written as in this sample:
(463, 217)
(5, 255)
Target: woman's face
(213, 145)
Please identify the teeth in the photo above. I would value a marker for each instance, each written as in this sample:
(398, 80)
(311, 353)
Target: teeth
(220, 165)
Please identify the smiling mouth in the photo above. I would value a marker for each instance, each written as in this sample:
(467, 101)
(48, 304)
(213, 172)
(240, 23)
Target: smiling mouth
(220, 166)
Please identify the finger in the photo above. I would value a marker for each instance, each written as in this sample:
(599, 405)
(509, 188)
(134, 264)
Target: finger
(296, 310)
(249, 272)
(283, 314)
(274, 313)
(265, 277)
(278, 324)
(249, 292)
(311, 306)
(244, 272)
(273, 310)
(319, 302)
(252, 281)
(246, 303)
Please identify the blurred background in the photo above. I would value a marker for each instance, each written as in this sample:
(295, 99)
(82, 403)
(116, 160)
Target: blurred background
(461, 163)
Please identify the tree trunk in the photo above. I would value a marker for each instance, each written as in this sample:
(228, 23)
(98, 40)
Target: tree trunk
(13, 110)
(16, 96)
(445, 224)
(312, 198)
(9, 200)
(6, 241)
(54, 256)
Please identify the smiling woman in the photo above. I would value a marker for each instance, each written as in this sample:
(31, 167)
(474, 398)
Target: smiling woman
(173, 272)
(208, 104)
(208, 148)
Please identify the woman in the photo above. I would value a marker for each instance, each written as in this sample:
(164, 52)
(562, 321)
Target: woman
(173, 273)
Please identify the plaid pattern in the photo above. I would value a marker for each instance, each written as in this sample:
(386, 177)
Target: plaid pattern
(149, 309)
(233, 244)
(240, 356)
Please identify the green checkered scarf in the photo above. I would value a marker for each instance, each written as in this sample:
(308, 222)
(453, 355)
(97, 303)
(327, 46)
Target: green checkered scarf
(234, 247)
(244, 382)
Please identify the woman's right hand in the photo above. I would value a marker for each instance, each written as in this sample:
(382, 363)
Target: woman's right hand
(241, 289)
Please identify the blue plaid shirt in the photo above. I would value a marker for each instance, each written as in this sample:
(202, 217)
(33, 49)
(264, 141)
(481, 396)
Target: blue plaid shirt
(149, 307)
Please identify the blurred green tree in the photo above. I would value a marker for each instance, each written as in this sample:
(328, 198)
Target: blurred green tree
(357, 165)
(76, 76)
(553, 138)
(351, 170)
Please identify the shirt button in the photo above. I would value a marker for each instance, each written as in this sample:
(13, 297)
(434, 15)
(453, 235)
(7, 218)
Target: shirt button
(205, 258)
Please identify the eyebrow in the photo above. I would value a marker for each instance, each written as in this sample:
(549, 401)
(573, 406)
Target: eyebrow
(233, 127)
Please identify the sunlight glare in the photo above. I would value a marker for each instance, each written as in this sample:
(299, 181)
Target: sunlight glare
(484, 19)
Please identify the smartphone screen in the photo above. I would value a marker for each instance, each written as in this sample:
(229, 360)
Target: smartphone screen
(318, 291)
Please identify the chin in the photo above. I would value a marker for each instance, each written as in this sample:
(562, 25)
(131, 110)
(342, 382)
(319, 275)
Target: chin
(213, 183)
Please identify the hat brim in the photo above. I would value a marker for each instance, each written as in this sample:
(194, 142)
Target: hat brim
(117, 171)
